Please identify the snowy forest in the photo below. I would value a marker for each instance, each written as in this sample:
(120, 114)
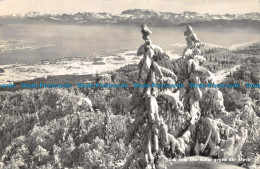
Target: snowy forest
(138, 128)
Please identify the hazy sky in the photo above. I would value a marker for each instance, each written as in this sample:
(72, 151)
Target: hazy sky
(116, 6)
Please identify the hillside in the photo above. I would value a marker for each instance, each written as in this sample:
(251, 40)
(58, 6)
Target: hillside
(55, 128)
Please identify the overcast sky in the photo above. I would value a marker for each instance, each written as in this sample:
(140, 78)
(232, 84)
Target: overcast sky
(116, 6)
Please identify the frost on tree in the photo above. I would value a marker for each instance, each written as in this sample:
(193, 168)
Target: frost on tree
(174, 123)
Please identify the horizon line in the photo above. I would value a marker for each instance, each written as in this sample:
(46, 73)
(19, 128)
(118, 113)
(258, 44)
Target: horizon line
(72, 13)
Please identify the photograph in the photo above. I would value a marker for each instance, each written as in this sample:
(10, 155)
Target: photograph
(130, 84)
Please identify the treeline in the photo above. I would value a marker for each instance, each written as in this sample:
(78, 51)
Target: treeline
(219, 58)
(222, 58)
(252, 49)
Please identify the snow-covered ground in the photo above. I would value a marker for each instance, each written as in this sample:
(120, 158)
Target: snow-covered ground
(77, 66)
(74, 66)
(222, 75)
(18, 45)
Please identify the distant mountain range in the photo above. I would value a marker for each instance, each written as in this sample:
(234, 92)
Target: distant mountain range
(137, 16)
